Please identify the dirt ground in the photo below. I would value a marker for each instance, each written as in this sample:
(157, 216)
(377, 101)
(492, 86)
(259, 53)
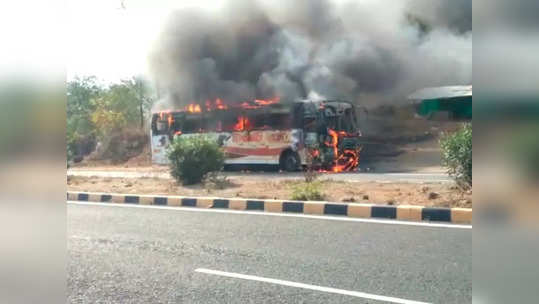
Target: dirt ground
(413, 159)
(432, 194)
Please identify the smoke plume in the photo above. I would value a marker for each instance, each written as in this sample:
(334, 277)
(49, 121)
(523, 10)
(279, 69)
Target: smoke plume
(363, 51)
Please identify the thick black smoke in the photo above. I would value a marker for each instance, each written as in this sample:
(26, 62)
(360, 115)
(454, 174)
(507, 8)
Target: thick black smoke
(363, 51)
(455, 15)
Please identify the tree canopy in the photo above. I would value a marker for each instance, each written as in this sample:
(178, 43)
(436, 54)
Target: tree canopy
(94, 110)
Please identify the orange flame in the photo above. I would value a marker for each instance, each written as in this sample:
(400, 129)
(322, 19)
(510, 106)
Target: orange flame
(267, 102)
(220, 105)
(193, 108)
(163, 113)
(345, 161)
(170, 120)
(257, 103)
(334, 141)
(209, 106)
(216, 105)
(247, 105)
(242, 124)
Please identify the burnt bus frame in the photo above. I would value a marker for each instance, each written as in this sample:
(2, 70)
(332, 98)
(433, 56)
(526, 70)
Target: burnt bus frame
(299, 111)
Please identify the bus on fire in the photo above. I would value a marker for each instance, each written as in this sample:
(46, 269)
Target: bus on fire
(323, 133)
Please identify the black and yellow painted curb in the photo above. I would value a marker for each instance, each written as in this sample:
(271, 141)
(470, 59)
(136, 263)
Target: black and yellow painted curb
(402, 212)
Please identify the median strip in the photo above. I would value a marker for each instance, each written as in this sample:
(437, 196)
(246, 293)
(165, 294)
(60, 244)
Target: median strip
(401, 212)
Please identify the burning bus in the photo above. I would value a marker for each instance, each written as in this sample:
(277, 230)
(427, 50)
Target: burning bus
(323, 134)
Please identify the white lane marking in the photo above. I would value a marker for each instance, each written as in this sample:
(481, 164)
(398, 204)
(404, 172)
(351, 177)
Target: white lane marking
(307, 286)
(412, 174)
(430, 181)
(317, 217)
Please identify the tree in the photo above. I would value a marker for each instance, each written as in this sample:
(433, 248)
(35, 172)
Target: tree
(95, 111)
(122, 105)
(142, 96)
(106, 117)
(80, 130)
(80, 92)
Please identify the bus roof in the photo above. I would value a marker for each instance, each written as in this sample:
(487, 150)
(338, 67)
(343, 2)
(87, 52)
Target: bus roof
(275, 106)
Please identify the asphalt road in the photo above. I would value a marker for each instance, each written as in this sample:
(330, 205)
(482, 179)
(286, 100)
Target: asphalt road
(345, 176)
(146, 255)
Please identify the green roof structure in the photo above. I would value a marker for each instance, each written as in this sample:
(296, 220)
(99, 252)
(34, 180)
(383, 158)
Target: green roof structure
(456, 100)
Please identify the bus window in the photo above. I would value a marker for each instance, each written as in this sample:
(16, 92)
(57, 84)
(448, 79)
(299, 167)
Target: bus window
(213, 122)
(258, 121)
(193, 124)
(345, 121)
(349, 121)
(279, 121)
(300, 112)
(229, 121)
(332, 123)
(309, 124)
(159, 127)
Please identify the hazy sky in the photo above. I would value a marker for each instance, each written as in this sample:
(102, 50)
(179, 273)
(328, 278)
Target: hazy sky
(32, 39)
(112, 42)
(105, 40)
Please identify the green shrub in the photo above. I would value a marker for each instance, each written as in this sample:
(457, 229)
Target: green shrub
(308, 192)
(192, 158)
(457, 155)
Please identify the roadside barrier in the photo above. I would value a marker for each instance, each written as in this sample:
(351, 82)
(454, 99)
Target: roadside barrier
(400, 212)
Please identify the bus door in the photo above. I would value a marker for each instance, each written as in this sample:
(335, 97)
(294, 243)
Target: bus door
(160, 138)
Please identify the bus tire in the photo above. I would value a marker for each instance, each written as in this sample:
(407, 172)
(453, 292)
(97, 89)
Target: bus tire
(289, 161)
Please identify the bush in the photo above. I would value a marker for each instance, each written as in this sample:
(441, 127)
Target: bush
(308, 192)
(457, 155)
(79, 146)
(193, 157)
(119, 146)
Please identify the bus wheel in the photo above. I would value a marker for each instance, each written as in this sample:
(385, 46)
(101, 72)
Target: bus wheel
(289, 161)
